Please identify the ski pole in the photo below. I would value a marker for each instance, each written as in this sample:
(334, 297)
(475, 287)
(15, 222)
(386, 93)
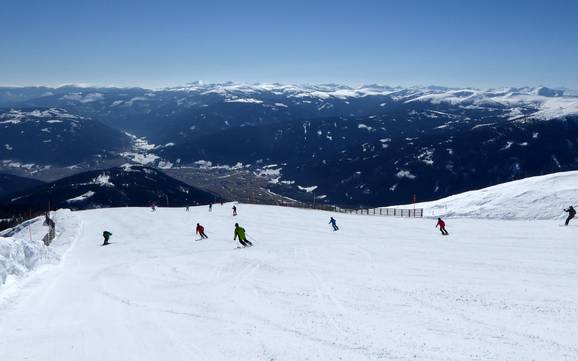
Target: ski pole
(253, 238)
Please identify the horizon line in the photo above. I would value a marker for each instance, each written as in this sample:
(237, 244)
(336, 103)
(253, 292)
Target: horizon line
(232, 82)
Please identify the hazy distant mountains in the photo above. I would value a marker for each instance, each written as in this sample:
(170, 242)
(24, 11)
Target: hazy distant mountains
(53, 136)
(116, 187)
(368, 145)
(11, 184)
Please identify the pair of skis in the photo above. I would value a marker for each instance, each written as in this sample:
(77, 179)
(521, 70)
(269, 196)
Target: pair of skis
(238, 247)
(241, 247)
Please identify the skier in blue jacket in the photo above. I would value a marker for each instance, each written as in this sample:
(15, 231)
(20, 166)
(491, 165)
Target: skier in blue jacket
(333, 223)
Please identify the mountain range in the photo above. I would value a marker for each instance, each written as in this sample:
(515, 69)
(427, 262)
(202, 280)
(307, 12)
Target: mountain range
(370, 145)
(127, 186)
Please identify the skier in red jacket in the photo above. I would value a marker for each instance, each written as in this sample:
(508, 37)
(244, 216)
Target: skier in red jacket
(201, 231)
(442, 226)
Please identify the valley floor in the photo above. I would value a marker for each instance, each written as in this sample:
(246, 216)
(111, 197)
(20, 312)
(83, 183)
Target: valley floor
(380, 288)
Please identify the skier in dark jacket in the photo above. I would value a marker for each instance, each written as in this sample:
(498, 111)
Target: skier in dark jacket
(106, 235)
(442, 226)
(333, 223)
(234, 210)
(240, 232)
(571, 214)
(201, 231)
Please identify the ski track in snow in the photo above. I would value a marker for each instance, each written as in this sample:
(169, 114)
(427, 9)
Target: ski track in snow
(380, 288)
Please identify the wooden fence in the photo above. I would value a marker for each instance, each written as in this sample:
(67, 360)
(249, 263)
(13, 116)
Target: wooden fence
(384, 212)
(388, 212)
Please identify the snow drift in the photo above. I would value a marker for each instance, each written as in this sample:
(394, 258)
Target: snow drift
(18, 256)
(24, 251)
(541, 197)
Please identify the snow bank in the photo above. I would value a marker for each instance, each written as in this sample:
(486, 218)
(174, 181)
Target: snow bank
(542, 197)
(18, 256)
(24, 251)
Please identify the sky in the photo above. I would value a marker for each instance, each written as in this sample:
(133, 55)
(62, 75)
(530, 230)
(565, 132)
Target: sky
(150, 43)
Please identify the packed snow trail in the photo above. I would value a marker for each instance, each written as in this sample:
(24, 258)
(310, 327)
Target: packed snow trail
(379, 288)
(540, 197)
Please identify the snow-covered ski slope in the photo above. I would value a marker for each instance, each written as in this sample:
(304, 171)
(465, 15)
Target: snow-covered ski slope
(541, 197)
(378, 289)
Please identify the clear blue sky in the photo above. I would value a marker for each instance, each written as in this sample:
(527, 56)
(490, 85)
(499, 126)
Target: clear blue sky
(481, 43)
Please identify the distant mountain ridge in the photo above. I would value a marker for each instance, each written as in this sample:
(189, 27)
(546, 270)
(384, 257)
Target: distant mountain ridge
(369, 145)
(11, 184)
(54, 136)
(193, 105)
(130, 185)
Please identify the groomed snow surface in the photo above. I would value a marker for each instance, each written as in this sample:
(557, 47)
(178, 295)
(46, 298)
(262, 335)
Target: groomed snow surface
(542, 197)
(378, 289)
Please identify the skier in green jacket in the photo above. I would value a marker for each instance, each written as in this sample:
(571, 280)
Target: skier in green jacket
(240, 232)
(106, 235)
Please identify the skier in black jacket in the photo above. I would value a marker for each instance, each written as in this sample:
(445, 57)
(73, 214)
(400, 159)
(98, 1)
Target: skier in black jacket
(106, 235)
(571, 213)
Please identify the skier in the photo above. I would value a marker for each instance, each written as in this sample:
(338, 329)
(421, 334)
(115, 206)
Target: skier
(187, 208)
(240, 232)
(106, 235)
(333, 223)
(153, 207)
(571, 213)
(201, 231)
(442, 226)
(234, 210)
(210, 207)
